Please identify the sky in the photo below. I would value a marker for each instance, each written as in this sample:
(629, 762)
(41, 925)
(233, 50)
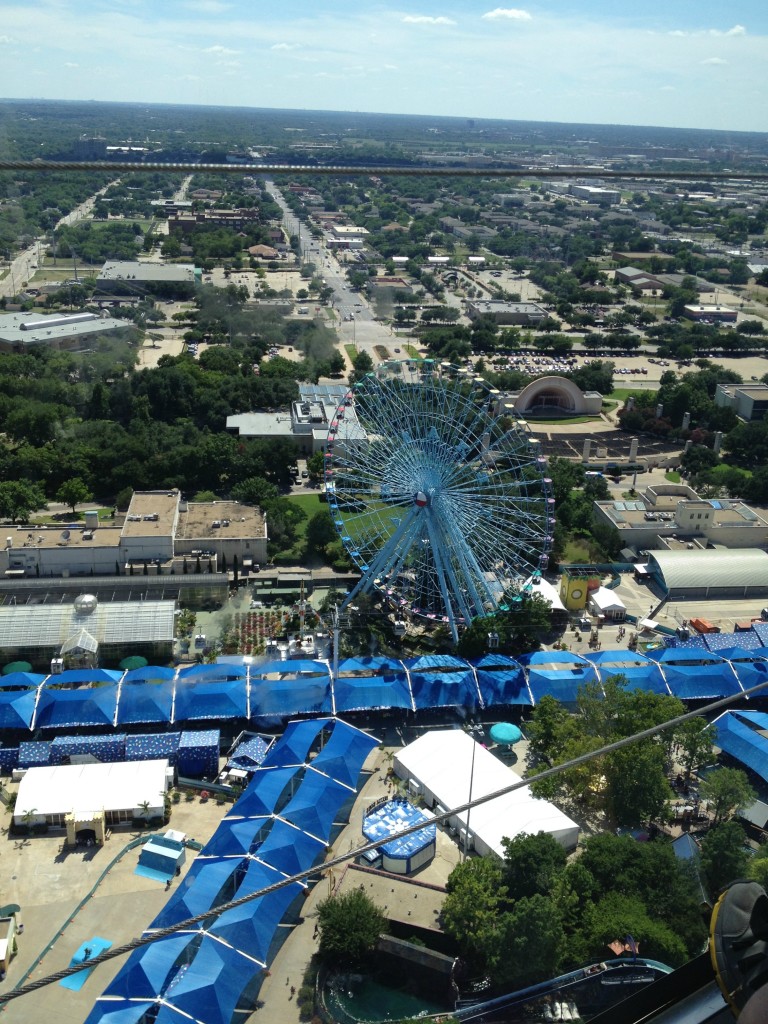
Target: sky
(676, 63)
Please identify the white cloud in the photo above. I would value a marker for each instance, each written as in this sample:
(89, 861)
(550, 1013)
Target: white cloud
(207, 6)
(221, 51)
(714, 60)
(737, 30)
(507, 14)
(69, 64)
(285, 46)
(426, 19)
(7, 39)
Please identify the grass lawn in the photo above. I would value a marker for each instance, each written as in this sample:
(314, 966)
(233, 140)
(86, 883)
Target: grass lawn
(576, 551)
(673, 476)
(412, 351)
(351, 352)
(623, 393)
(565, 419)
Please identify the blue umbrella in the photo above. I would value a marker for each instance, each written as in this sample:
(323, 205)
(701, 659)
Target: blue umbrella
(506, 733)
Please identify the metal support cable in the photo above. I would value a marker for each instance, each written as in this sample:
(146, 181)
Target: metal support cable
(334, 862)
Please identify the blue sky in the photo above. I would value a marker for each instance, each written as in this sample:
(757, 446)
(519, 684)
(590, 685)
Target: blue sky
(682, 63)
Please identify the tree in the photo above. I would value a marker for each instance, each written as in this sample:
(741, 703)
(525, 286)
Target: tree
(350, 925)
(18, 498)
(73, 492)
(531, 864)
(727, 790)
(475, 894)
(694, 738)
(723, 855)
(320, 532)
(528, 944)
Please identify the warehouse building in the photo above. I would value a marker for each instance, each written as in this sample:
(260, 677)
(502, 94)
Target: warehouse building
(19, 332)
(695, 575)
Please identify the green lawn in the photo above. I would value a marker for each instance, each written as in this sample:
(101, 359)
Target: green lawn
(623, 393)
(575, 551)
(673, 476)
(351, 352)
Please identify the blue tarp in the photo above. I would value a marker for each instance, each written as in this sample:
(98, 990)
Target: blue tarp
(344, 754)
(251, 927)
(120, 1011)
(145, 702)
(215, 673)
(24, 680)
(198, 701)
(149, 674)
(737, 738)
(236, 835)
(85, 675)
(502, 681)
(64, 709)
(263, 793)
(249, 754)
(439, 688)
(315, 806)
(752, 674)
(17, 708)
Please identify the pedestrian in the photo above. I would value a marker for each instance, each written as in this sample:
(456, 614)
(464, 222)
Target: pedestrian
(293, 991)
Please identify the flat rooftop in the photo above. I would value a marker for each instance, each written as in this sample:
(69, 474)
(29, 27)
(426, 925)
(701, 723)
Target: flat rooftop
(54, 536)
(34, 329)
(151, 514)
(119, 270)
(244, 521)
(390, 818)
(726, 513)
(87, 788)
(402, 899)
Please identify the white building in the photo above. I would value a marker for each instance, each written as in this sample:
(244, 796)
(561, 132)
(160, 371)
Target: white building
(448, 768)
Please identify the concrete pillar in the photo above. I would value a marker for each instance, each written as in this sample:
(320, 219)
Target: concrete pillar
(630, 403)
(586, 450)
(686, 420)
(688, 444)
(718, 443)
(659, 411)
(633, 443)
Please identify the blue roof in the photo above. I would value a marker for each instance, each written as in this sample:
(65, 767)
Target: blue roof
(199, 890)
(251, 927)
(210, 988)
(436, 686)
(86, 675)
(249, 753)
(148, 970)
(119, 1011)
(216, 673)
(557, 674)
(383, 689)
(640, 673)
(388, 817)
(289, 850)
(24, 680)
(289, 695)
(149, 674)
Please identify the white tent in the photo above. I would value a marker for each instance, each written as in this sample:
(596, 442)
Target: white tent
(537, 586)
(120, 788)
(440, 766)
(605, 602)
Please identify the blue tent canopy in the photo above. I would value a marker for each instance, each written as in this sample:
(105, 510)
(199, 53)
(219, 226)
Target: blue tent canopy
(249, 754)
(236, 836)
(639, 672)
(746, 639)
(149, 674)
(701, 682)
(24, 680)
(737, 737)
(145, 702)
(442, 681)
(502, 681)
(17, 708)
(201, 700)
(295, 743)
(86, 675)
(215, 673)
(199, 891)
(344, 754)
(360, 693)
(315, 806)
(120, 1011)
(557, 674)
(251, 927)
(289, 850)
(301, 694)
(263, 793)
(751, 673)
(210, 988)
(148, 970)
(64, 709)
(684, 656)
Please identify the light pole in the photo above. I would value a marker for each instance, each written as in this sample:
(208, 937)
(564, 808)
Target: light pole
(469, 809)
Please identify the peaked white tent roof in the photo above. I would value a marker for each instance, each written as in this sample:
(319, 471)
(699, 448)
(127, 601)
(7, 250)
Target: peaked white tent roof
(441, 762)
(606, 601)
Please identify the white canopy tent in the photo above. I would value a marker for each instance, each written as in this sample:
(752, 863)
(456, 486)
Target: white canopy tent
(440, 765)
(605, 602)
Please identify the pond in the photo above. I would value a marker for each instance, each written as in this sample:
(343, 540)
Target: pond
(359, 998)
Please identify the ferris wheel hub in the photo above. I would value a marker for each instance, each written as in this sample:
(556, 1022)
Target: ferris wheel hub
(420, 500)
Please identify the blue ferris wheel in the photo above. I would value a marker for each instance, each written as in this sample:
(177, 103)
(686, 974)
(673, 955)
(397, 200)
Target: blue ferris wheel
(443, 504)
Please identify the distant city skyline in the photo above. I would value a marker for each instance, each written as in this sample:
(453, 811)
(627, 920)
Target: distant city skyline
(684, 63)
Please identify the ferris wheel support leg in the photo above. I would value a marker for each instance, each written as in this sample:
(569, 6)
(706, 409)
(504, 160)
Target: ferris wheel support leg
(441, 579)
(384, 560)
